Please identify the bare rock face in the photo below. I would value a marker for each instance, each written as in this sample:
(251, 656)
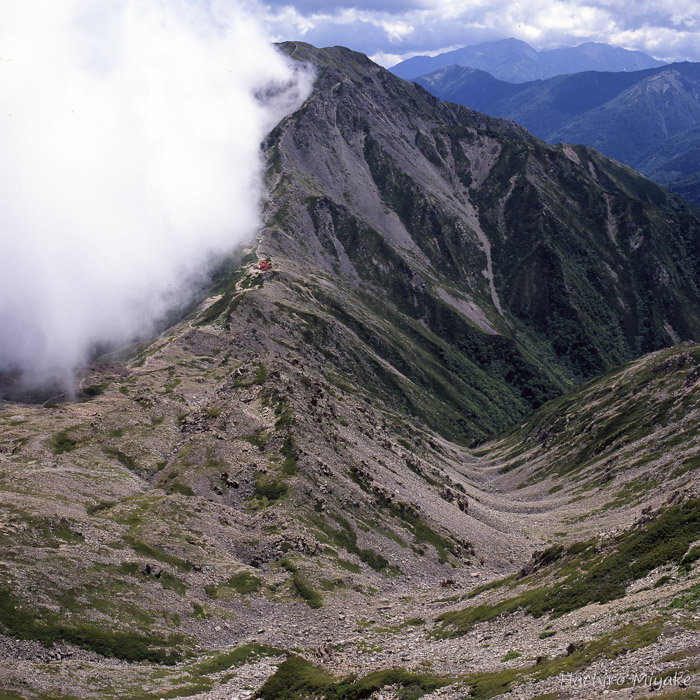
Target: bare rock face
(294, 481)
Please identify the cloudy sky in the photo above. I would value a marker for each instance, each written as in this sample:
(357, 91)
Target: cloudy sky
(130, 135)
(391, 30)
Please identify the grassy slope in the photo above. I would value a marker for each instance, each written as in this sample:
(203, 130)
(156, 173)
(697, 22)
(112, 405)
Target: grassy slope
(646, 119)
(573, 240)
(642, 416)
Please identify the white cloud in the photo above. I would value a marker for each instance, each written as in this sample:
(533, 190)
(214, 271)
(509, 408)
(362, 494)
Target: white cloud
(386, 59)
(130, 135)
(397, 31)
(660, 27)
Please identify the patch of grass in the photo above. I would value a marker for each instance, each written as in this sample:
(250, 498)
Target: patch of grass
(45, 626)
(448, 599)
(415, 467)
(120, 456)
(179, 487)
(146, 550)
(172, 383)
(285, 418)
(269, 488)
(312, 597)
(349, 566)
(213, 311)
(347, 539)
(688, 599)
(129, 567)
(62, 442)
(299, 679)
(690, 558)
(62, 530)
(413, 622)
(621, 641)
(289, 451)
(456, 623)
(49, 531)
(679, 655)
(194, 687)
(513, 465)
(492, 585)
(296, 679)
(631, 491)
(301, 586)
(332, 584)
(490, 685)
(199, 611)
(259, 377)
(640, 550)
(411, 685)
(172, 582)
(239, 656)
(588, 576)
(690, 464)
(258, 438)
(244, 583)
(510, 656)
(422, 532)
(95, 389)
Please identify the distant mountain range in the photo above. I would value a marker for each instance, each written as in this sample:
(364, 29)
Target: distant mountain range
(649, 119)
(517, 62)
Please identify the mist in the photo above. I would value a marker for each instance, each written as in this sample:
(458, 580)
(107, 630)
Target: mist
(130, 134)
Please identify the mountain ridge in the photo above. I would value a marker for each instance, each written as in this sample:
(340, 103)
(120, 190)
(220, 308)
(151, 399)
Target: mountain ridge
(276, 494)
(646, 119)
(515, 61)
(440, 170)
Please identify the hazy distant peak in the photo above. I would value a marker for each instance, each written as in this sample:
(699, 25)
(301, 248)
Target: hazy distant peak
(515, 61)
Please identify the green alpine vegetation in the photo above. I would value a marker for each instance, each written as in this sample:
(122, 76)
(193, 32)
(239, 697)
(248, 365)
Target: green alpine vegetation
(444, 442)
(491, 272)
(590, 572)
(647, 119)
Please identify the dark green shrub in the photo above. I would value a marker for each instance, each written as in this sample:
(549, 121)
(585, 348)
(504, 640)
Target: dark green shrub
(95, 389)
(289, 451)
(178, 487)
(244, 582)
(312, 597)
(62, 442)
(270, 488)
